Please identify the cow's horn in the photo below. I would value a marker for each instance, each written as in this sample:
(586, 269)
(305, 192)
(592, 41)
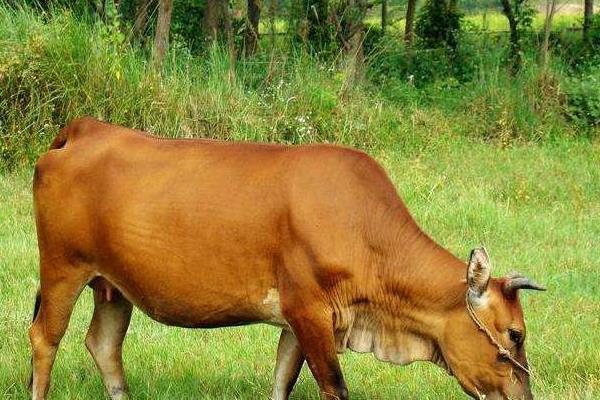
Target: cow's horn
(517, 281)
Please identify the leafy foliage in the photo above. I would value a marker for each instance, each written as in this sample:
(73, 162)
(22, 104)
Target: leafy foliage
(438, 24)
(59, 64)
(312, 23)
(520, 18)
(583, 99)
(595, 32)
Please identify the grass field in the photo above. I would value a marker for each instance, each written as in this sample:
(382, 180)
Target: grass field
(536, 207)
(568, 15)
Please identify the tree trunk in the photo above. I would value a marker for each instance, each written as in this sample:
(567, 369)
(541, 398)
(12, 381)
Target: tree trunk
(515, 42)
(272, 15)
(228, 29)
(588, 13)
(163, 25)
(550, 11)
(355, 56)
(310, 20)
(216, 22)
(210, 22)
(384, 16)
(251, 34)
(226, 17)
(410, 22)
(141, 19)
(100, 8)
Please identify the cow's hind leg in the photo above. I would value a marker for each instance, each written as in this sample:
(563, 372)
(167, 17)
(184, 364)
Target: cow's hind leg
(289, 364)
(105, 336)
(60, 287)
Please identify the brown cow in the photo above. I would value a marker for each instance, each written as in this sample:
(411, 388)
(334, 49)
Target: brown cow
(312, 239)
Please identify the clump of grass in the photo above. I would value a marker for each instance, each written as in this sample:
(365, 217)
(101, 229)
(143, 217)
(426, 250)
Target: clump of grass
(470, 93)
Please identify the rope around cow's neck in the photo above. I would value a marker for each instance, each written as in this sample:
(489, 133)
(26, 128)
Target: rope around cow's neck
(501, 349)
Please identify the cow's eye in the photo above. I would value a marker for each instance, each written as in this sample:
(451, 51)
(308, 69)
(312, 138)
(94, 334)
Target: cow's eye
(515, 336)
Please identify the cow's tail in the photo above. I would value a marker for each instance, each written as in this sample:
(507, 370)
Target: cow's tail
(60, 140)
(71, 131)
(36, 306)
(36, 310)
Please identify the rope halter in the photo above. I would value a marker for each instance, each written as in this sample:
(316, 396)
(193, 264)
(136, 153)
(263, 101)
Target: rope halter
(502, 351)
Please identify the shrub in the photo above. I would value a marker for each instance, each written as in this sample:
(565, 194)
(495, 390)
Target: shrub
(595, 31)
(583, 99)
(389, 60)
(438, 25)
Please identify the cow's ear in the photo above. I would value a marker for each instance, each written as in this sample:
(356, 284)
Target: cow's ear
(478, 272)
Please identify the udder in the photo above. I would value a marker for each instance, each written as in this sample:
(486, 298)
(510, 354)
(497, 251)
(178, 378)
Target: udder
(103, 290)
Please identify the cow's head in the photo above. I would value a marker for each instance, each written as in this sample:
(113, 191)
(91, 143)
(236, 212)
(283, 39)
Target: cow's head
(487, 323)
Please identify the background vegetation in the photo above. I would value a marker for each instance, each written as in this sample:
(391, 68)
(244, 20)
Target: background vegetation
(60, 62)
(488, 139)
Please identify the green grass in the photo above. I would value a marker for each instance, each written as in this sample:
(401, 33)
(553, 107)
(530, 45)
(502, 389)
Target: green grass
(491, 20)
(534, 206)
(495, 21)
(493, 159)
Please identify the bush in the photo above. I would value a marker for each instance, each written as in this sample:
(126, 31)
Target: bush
(583, 99)
(595, 31)
(438, 25)
(390, 60)
(580, 57)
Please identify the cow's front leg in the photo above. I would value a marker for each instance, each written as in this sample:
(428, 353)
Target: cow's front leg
(289, 364)
(313, 327)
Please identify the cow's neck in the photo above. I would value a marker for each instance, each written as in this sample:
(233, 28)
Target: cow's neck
(423, 281)
(420, 282)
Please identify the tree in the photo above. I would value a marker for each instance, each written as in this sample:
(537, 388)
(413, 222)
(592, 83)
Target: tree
(217, 22)
(217, 26)
(226, 16)
(515, 50)
(410, 21)
(588, 13)
(163, 25)
(272, 16)
(353, 33)
(210, 22)
(384, 15)
(438, 24)
(251, 34)
(141, 18)
(520, 15)
(550, 11)
(309, 19)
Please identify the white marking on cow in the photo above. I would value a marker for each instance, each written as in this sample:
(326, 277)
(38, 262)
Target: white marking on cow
(273, 308)
(479, 300)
